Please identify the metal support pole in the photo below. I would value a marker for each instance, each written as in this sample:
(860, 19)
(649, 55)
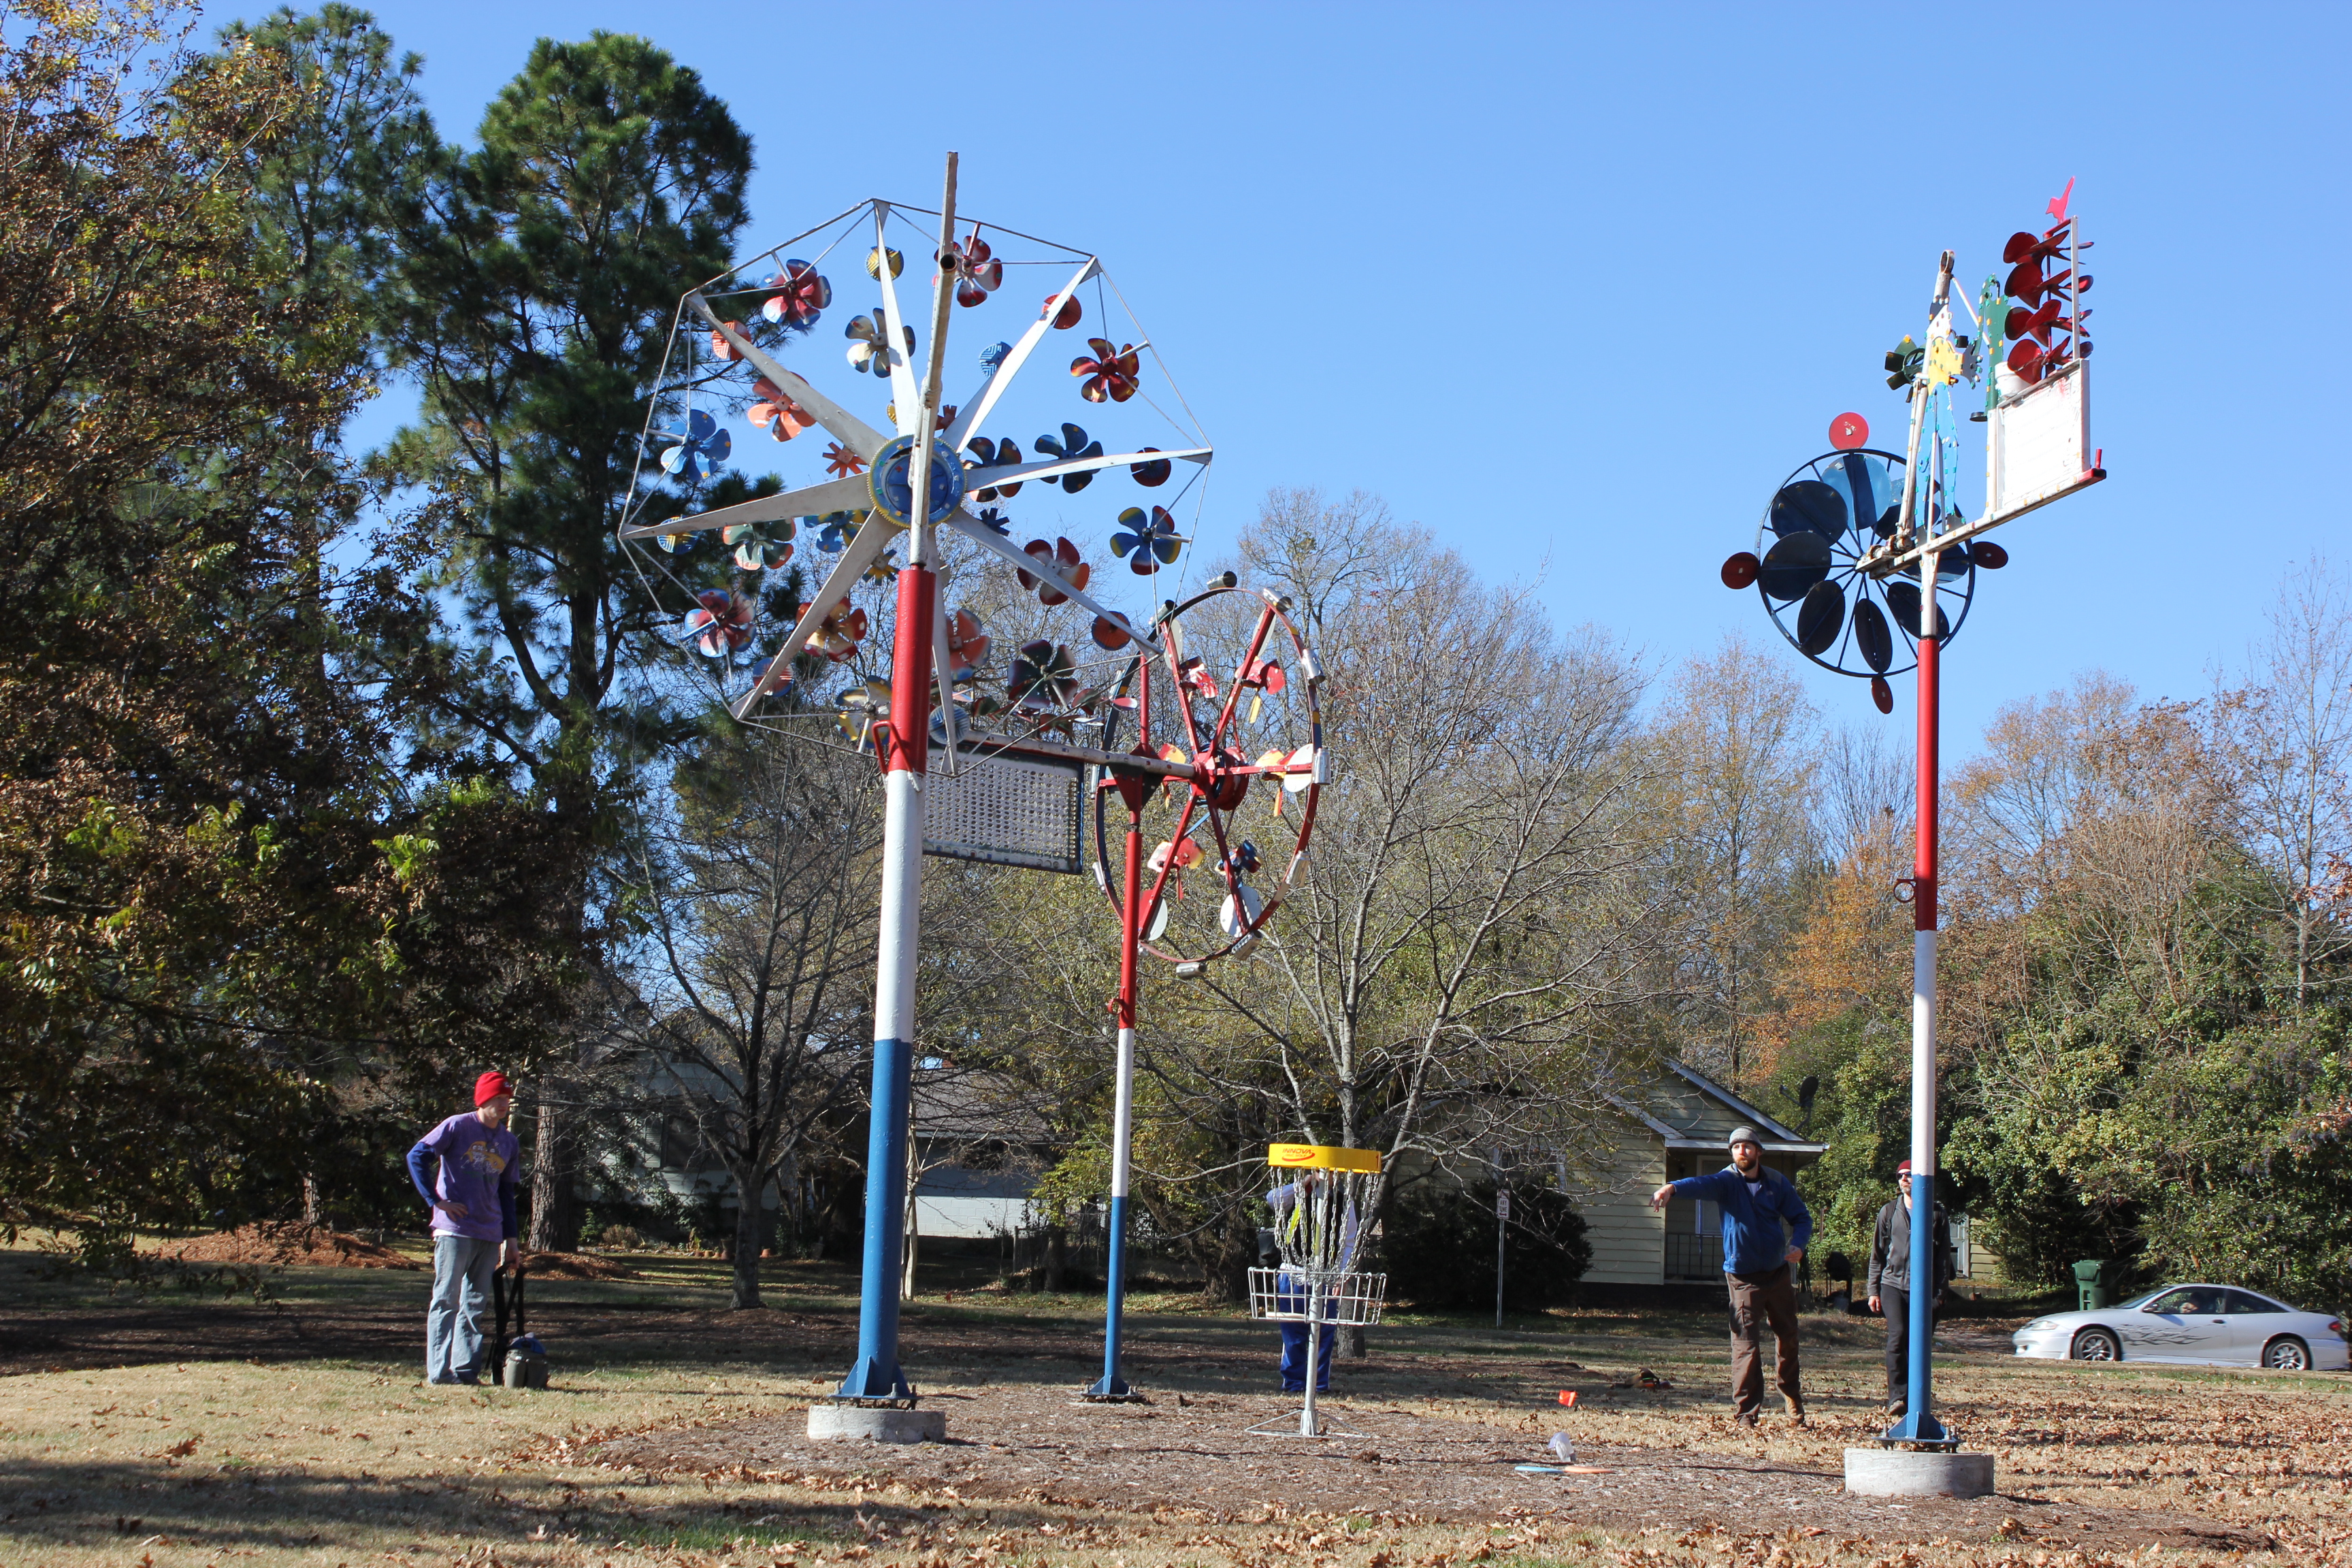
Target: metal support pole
(906, 755)
(1111, 1385)
(1314, 1283)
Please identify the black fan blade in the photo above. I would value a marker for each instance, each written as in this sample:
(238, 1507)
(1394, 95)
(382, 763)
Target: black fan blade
(1871, 636)
(1820, 618)
(1809, 506)
(1858, 485)
(1902, 604)
(1795, 564)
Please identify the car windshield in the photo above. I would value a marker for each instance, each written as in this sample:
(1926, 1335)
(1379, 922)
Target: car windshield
(2143, 1300)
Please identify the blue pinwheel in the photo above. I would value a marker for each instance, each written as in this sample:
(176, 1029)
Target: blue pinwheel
(760, 545)
(839, 528)
(1152, 540)
(1073, 444)
(701, 445)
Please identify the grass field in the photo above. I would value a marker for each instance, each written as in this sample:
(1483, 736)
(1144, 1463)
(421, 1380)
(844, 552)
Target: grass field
(182, 1432)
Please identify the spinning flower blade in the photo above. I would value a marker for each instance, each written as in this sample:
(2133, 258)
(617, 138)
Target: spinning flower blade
(1073, 445)
(1064, 557)
(720, 624)
(1151, 540)
(978, 272)
(1110, 373)
(761, 546)
(799, 295)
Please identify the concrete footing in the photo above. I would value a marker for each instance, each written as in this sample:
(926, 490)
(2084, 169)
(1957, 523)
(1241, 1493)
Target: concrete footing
(1899, 1472)
(876, 1423)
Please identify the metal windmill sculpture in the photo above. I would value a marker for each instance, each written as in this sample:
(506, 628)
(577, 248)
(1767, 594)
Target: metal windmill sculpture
(989, 744)
(1848, 539)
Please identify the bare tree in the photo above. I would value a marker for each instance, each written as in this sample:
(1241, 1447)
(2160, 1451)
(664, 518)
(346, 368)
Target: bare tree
(757, 883)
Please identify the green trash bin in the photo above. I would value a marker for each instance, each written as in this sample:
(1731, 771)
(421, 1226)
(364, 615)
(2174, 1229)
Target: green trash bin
(2086, 1280)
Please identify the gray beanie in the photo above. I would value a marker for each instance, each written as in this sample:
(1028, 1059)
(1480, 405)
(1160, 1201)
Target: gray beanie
(1744, 1135)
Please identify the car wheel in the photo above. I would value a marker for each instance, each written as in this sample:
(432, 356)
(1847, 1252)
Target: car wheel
(2287, 1354)
(2097, 1344)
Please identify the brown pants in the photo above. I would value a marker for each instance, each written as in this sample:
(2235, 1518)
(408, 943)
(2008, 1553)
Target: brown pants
(1757, 1298)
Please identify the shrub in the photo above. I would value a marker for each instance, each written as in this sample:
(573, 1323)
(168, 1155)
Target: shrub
(1439, 1245)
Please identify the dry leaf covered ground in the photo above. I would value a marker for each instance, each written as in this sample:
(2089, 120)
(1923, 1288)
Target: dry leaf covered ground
(187, 1433)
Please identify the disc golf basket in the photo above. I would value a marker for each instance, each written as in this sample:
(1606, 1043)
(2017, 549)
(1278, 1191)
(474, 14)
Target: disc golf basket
(1320, 1215)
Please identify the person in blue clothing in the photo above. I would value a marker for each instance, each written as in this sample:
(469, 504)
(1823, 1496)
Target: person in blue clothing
(472, 1197)
(1765, 1229)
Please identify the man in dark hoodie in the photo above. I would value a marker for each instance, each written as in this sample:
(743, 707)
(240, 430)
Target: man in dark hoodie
(1890, 1283)
(1759, 1251)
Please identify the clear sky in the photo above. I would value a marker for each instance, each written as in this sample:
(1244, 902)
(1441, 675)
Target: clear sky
(1577, 287)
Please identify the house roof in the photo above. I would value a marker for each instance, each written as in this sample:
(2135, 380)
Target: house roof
(1687, 1109)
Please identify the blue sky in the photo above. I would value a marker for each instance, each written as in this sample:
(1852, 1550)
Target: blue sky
(1578, 287)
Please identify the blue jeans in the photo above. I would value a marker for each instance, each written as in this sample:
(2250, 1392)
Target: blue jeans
(1294, 1341)
(462, 1266)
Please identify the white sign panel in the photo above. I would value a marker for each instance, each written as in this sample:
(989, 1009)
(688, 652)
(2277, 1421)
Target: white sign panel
(2039, 446)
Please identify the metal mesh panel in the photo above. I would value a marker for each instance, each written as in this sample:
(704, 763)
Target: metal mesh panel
(1347, 1298)
(1008, 811)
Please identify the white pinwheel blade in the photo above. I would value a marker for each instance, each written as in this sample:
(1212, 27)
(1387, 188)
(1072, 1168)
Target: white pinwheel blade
(842, 426)
(985, 479)
(812, 501)
(968, 419)
(990, 540)
(861, 552)
(905, 398)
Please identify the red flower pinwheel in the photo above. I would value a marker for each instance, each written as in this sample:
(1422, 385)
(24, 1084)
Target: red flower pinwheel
(1067, 316)
(995, 454)
(720, 621)
(841, 460)
(720, 348)
(978, 272)
(799, 295)
(967, 644)
(1152, 475)
(776, 413)
(1063, 557)
(838, 634)
(1110, 373)
(1147, 543)
(1044, 676)
(1113, 632)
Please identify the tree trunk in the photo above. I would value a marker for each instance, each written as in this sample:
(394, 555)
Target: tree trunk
(1057, 1251)
(555, 1219)
(747, 1242)
(310, 1214)
(913, 1227)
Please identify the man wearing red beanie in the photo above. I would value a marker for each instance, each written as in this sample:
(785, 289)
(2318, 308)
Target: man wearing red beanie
(473, 1201)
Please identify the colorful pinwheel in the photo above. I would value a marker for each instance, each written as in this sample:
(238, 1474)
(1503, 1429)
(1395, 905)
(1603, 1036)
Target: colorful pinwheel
(776, 413)
(1044, 676)
(995, 454)
(1113, 632)
(1193, 675)
(1067, 317)
(702, 444)
(873, 263)
(1073, 444)
(720, 621)
(995, 519)
(862, 707)
(1153, 474)
(837, 529)
(1244, 860)
(1110, 373)
(869, 341)
(978, 273)
(839, 633)
(967, 644)
(1063, 557)
(1151, 540)
(720, 348)
(993, 356)
(761, 546)
(799, 295)
(841, 461)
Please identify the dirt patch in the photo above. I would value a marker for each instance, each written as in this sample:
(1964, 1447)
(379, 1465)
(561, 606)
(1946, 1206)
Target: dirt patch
(575, 1266)
(287, 1242)
(1196, 1459)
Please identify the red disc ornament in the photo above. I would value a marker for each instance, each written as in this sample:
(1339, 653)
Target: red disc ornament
(1848, 431)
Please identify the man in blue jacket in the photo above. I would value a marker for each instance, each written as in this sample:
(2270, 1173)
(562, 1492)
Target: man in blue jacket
(1765, 1229)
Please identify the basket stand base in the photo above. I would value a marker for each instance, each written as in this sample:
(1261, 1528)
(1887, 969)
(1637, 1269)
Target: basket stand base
(1288, 1425)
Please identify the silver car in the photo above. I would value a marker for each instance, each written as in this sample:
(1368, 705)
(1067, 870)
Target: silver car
(2216, 1325)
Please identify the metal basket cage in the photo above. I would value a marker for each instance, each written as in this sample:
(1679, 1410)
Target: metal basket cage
(1351, 1298)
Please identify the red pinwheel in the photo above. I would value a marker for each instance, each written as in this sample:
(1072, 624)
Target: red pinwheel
(1265, 673)
(1063, 557)
(776, 413)
(995, 454)
(720, 621)
(1067, 316)
(967, 644)
(1195, 677)
(839, 633)
(1113, 632)
(1110, 373)
(1153, 474)
(1151, 542)
(800, 295)
(978, 273)
(841, 460)
(720, 348)
(1044, 676)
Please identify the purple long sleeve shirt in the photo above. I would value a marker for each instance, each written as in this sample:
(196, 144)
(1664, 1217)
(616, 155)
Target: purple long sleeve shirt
(477, 1169)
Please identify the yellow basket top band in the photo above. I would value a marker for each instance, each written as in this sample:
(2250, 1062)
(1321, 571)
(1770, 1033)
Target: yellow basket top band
(1322, 1157)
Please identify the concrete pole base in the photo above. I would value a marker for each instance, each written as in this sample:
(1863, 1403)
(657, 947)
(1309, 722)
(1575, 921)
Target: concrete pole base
(875, 1423)
(1899, 1472)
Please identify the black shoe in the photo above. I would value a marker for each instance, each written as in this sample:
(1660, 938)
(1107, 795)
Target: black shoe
(470, 1379)
(1746, 1418)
